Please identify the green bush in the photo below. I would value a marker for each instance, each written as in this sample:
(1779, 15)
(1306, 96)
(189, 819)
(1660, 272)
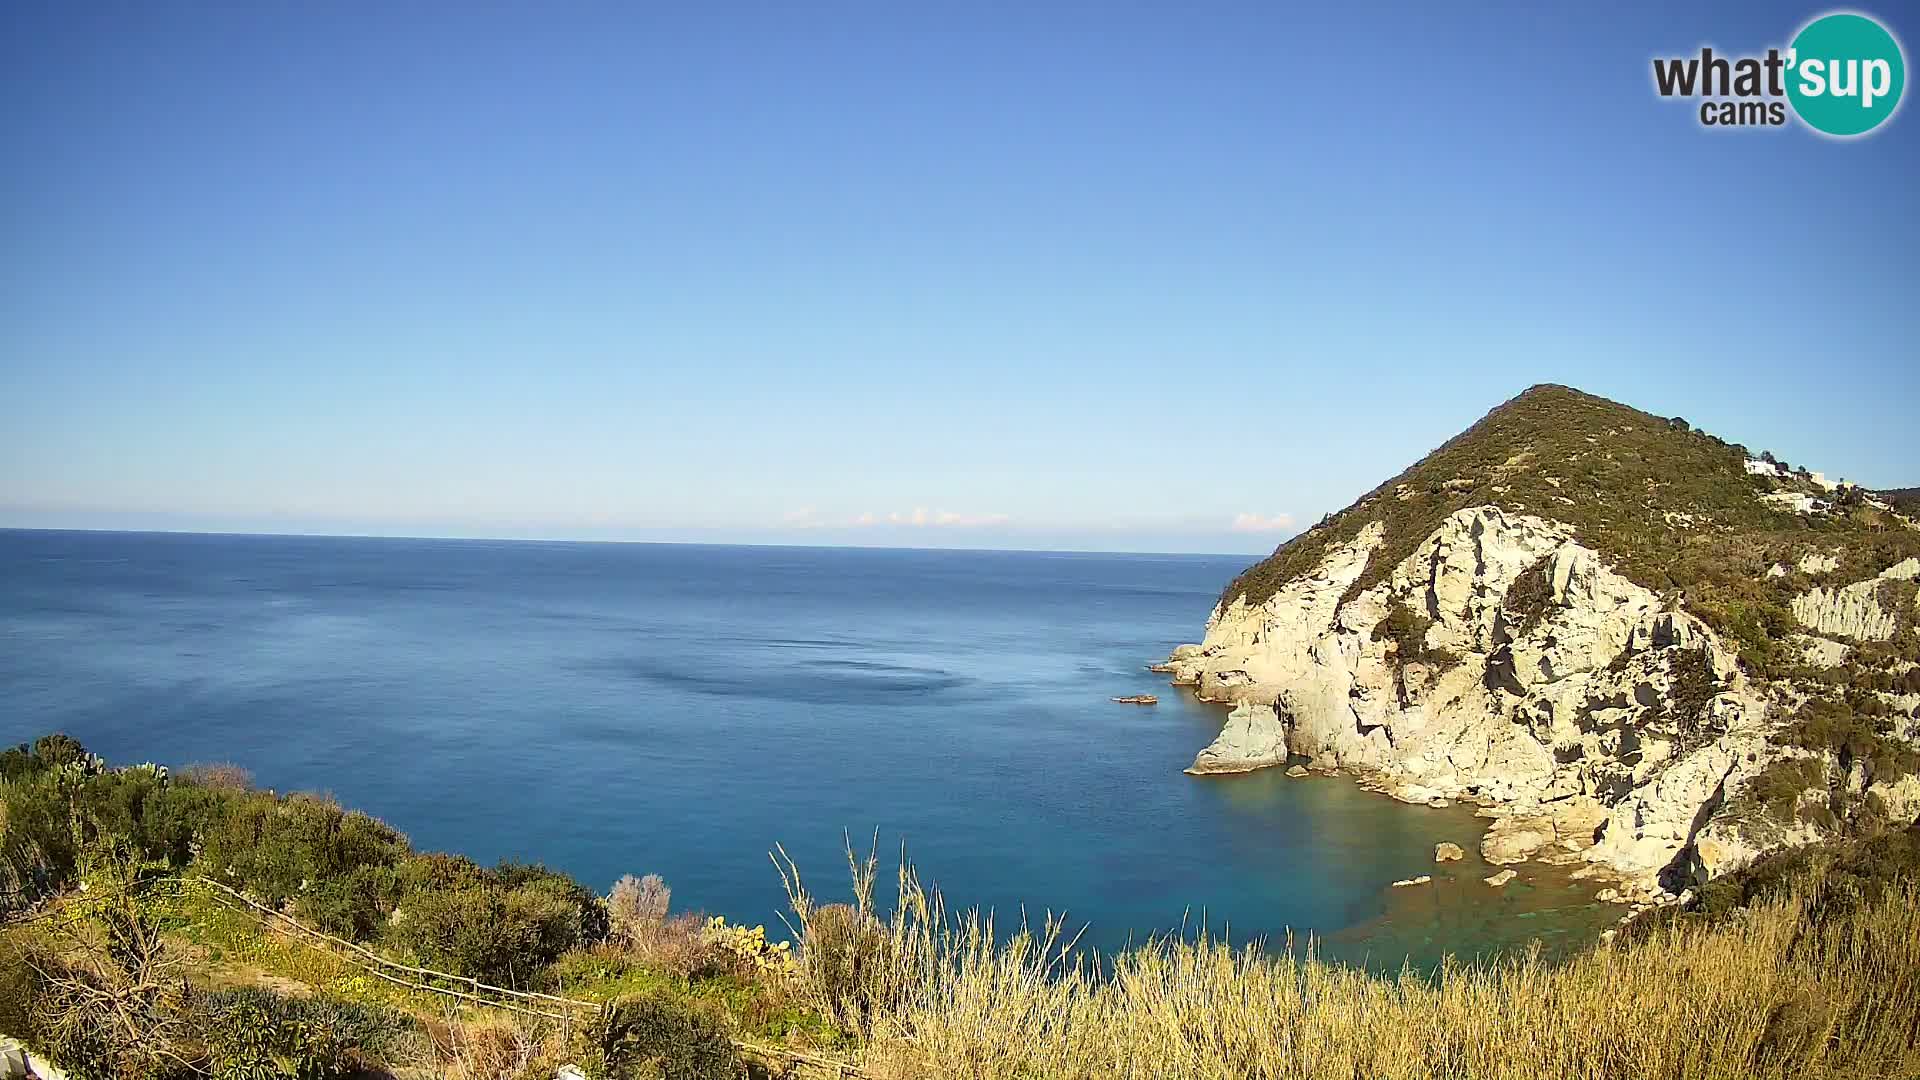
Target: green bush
(1778, 787)
(494, 932)
(354, 905)
(1853, 736)
(276, 847)
(254, 1034)
(1851, 875)
(439, 870)
(653, 1036)
(18, 763)
(1687, 710)
(589, 919)
(38, 844)
(1407, 630)
(1527, 598)
(20, 986)
(53, 751)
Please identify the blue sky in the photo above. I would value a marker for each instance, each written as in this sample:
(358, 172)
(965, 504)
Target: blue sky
(1057, 275)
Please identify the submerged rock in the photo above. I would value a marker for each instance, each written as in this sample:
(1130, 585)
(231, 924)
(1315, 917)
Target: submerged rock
(1500, 878)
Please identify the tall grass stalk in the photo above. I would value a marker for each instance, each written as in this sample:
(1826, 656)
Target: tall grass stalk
(1773, 994)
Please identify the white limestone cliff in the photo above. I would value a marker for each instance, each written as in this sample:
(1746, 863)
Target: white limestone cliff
(1608, 728)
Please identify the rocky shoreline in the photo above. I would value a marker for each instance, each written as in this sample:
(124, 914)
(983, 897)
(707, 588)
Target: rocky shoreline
(1559, 834)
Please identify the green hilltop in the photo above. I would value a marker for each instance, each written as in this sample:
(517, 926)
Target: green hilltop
(1673, 508)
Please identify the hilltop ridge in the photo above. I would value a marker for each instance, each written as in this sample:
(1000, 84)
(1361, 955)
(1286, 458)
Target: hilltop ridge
(1668, 504)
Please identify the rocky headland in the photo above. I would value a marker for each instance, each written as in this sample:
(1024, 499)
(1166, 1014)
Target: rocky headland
(1607, 629)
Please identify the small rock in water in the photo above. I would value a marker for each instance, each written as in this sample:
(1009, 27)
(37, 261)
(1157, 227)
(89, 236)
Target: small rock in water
(1445, 852)
(1421, 880)
(1500, 878)
(1296, 771)
(1439, 804)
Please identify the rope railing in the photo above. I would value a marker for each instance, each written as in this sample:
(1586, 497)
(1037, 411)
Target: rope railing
(378, 962)
(231, 901)
(283, 919)
(524, 1002)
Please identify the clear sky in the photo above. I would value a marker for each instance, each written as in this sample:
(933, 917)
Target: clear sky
(1103, 275)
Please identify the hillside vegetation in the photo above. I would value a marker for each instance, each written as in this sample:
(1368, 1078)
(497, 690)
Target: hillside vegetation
(1906, 500)
(1673, 508)
(119, 958)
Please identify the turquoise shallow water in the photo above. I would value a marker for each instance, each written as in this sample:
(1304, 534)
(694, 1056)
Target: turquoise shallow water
(616, 708)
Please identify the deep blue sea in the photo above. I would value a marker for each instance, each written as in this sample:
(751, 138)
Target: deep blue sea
(680, 709)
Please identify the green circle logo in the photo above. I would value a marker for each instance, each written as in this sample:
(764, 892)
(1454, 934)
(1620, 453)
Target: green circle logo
(1845, 74)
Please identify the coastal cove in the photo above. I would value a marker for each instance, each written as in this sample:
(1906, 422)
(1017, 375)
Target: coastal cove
(627, 708)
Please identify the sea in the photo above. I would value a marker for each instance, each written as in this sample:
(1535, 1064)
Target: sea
(687, 710)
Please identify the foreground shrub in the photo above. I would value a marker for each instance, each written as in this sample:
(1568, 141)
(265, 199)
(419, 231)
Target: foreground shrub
(276, 847)
(496, 932)
(856, 969)
(255, 1034)
(102, 997)
(251, 1036)
(653, 1036)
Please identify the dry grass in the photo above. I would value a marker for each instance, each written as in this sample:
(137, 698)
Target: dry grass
(221, 775)
(678, 946)
(497, 1048)
(1774, 994)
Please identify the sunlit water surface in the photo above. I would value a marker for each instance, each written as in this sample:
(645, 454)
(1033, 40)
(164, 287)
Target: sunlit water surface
(616, 708)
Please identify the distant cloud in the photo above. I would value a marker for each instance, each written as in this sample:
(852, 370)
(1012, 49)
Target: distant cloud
(1262, 523)
(804, 518)
(921, 518)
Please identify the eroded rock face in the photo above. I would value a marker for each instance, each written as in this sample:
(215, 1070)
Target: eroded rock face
(1563, 706)
(1601, 724)
(1855, 610)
